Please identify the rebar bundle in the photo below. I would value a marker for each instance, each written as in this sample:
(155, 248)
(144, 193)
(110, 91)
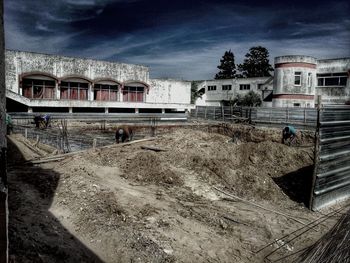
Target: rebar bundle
(63, 141)
(333, 247)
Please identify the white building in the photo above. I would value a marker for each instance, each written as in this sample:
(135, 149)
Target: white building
(49, 83)
(221, 91)
(297, 82)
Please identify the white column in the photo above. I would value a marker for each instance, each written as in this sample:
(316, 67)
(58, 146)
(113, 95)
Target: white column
(106, 110)
(163, 111)
(136, 111)
(90, 92)
(70, 110)
(58, 94)
(120, 94)
(30, 110)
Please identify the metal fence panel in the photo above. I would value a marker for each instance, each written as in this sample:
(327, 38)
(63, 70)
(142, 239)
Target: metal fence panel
(331, 180)
(300, 117)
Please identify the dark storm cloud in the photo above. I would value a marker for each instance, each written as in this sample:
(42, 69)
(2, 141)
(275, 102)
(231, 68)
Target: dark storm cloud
(181, 39)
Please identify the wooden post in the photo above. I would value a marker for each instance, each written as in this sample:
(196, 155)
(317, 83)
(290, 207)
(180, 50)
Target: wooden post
(205, 112)
(287, 114)
(94, 143)
(223, 112)
(319, 101)
(304, 115)
(26, 133)
(214, 112)
(196, 112)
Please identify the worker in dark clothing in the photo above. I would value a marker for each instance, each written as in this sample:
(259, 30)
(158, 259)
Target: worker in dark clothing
(123, 134)
(9, 124)
(288, 135)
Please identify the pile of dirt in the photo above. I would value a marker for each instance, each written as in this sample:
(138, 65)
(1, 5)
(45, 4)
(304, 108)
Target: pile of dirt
(247, 169)
(149, 167)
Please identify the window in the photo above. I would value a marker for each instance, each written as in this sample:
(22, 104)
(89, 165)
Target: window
(226, 87)
(74, 90)
(332, 79)
(105, 92)
(297, 78)
(244, 87)
(38, 89)
(309, 79)
(211, 87)
(296, 104)
(133, 94)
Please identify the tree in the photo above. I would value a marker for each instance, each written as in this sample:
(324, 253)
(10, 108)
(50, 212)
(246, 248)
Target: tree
(194, 92)
(227, 66)
(256, 63)
(250, 99)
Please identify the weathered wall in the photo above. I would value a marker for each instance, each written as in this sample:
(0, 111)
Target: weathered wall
(334, 95)
(3, 181)
(18, 62)
(285, 92)
(169, 91)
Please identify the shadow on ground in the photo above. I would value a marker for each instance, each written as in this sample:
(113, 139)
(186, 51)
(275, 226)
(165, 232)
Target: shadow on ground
(35, 235)
(297, 184)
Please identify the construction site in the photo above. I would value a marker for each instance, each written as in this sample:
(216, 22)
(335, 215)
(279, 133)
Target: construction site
(103, 159)
(194, 191)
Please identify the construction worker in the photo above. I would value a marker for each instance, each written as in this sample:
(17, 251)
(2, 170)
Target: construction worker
(42, 121)
(123, 134)
(9, 125)
(288, 135)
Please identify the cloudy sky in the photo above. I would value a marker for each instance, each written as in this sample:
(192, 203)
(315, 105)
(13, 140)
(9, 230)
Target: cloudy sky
(180, 39)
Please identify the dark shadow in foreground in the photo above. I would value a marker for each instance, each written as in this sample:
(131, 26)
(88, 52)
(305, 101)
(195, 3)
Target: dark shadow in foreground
(35, 234)
(297, 184)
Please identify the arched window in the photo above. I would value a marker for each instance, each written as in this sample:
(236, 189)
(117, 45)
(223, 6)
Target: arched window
(38, 86)
(74, 88)
(134, 91)
(106, 90)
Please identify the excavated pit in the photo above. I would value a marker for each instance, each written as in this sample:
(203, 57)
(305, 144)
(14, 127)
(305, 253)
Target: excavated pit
(126, 203)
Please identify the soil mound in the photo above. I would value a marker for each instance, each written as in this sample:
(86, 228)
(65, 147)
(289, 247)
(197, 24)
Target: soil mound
(149, 167)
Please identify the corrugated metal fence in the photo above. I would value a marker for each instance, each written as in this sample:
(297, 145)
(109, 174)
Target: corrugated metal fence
(301, 117)
(331, 179)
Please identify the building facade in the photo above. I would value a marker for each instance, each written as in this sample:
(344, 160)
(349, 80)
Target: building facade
(41, 82)
(221, 91)
(297, 82)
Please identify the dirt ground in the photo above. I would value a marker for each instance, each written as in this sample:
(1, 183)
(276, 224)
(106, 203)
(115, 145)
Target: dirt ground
(128, 204)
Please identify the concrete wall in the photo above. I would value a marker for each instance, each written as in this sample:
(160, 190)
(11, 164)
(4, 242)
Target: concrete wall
(18, 62)
(285, 92)
(3, 180)
(169, 91)
(201, 101)
(334, 95)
